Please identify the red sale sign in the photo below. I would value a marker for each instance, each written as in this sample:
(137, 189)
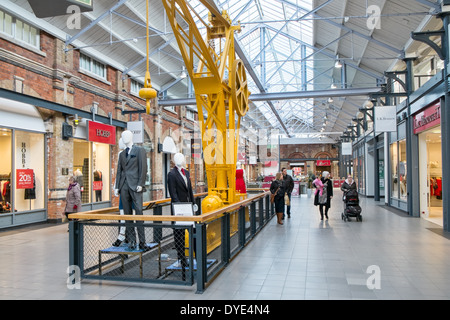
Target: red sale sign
(97, 185)
(24, 178)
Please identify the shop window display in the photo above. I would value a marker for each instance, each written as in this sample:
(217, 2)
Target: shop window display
(394, 171)
(81, 167)
(21, 182)
(5, 171)
(29, 168)
(101, 165)
(398, 171)
(402, 169)
(91, 167)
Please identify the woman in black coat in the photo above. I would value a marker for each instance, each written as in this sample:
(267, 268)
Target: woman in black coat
(328, 188)
(278, 184)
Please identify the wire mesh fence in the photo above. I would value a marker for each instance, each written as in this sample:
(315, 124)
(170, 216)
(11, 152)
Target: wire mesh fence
(143, 252)
(171, 252)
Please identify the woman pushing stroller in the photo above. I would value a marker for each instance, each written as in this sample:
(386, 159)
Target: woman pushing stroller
(351, 200)
(348, 185)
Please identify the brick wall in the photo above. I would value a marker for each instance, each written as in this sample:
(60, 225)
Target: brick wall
(54, 75)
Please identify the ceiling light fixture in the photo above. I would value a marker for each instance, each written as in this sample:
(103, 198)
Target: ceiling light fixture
(338, 63)
(183, 73)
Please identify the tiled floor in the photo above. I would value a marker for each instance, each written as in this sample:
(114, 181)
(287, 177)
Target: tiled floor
(304, 259)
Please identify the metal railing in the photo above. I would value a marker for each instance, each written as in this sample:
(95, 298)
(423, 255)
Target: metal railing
(178, 250)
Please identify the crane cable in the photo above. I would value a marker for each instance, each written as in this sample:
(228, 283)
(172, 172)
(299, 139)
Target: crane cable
(148, 92)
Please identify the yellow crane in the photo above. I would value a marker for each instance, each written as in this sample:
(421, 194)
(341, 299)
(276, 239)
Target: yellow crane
(221, 92)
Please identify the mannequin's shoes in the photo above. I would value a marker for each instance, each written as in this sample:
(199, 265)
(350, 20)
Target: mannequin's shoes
(143, 246)
(117, 243)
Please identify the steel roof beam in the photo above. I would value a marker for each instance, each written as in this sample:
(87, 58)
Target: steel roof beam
(95, 22)
(359, 34)
(265, 96)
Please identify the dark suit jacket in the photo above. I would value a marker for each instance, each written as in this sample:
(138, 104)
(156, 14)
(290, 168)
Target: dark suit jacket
(178, 190)
(132, 169)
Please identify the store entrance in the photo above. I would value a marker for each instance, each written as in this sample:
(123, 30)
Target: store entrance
(430, 164)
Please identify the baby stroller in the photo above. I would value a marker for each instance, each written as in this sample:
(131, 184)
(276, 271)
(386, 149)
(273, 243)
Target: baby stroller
(351, 206)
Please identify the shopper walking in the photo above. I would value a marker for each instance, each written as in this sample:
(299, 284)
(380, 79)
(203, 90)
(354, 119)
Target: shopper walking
(348, 184)
(324, 194)
(278, 189)
(289, 184)
(73, 197)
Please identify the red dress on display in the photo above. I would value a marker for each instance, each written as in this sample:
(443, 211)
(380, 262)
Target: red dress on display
(240, 183)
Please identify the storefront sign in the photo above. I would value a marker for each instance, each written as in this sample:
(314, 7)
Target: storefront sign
(385, 119)
(346, 148)
(323, 163)
(24, 178)
(428, 118)
(103, 133)
(137, 128)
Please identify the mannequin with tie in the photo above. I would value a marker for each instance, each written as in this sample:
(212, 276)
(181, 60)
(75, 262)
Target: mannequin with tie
(178, 181)
(130, 181)
(180, 189)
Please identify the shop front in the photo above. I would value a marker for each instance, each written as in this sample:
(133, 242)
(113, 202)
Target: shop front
(323, 165)
(359, 153)
(427, 126)
(22, 168)
(92, 163)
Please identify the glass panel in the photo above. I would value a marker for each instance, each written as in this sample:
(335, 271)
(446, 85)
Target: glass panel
(29, 154)
(19, 30)
(402, 170)
(5, 171)
(34, 38)
(101, 164)
(394, 171)
(81, 167)
(8, 24)
(2, 21)
(26, 33)
(84, 62)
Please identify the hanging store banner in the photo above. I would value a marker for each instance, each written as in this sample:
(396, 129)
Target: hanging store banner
(385, 119)
(103, 133)
(428, 118)
(24, 179)
(346, 148)
(137, 128)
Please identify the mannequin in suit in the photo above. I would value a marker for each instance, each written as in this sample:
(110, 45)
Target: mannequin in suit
(130, 181)
(180, 189)
(179, 182)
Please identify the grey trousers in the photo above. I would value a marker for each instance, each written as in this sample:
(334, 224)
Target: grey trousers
(132, 200)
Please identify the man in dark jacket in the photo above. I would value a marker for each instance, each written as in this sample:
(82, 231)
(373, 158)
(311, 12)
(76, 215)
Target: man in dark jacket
(289, 183)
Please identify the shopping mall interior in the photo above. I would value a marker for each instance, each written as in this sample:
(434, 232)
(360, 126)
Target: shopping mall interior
(115, 114)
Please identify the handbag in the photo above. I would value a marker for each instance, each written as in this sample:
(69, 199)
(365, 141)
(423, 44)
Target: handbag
(286, 200)
(272, 196)
(323, 197)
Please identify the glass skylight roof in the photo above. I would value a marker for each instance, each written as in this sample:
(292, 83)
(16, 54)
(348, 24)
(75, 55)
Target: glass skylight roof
(276, 40)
